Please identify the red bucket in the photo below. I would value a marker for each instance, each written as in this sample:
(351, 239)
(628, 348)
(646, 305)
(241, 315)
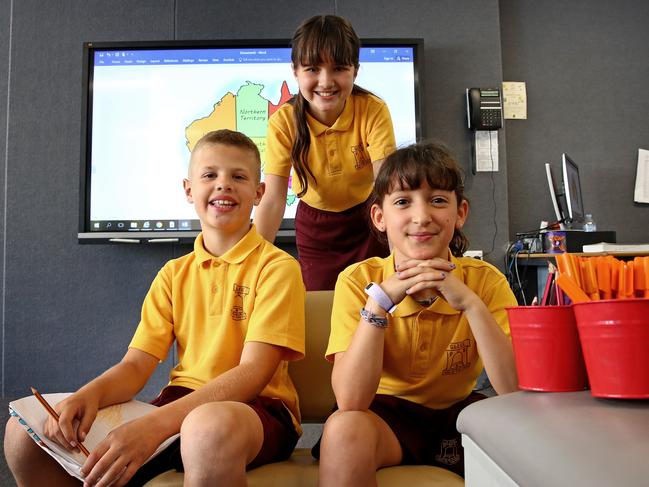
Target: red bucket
(547, 349)
(615, 339)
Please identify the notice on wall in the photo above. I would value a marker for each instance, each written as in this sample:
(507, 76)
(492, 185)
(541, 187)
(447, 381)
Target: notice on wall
(514, 100)
(486, 150)
(641, 193)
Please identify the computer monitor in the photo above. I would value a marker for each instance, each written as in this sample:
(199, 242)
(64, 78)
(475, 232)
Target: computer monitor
(145, 104)
(572, 190)
(558, 202)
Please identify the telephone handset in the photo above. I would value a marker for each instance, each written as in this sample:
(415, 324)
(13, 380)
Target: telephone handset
(484, 108)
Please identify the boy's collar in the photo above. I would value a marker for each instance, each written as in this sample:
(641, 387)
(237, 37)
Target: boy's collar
(409, 306)
(237, 254)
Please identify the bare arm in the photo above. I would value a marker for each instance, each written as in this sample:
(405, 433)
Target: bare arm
(357, 371)
(376, 166)
(494, 347)
(124, 380)
(118, 384)
(259, 361)
(269, 213)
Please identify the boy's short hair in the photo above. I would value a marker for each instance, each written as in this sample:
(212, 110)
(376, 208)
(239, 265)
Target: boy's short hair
(232, 138)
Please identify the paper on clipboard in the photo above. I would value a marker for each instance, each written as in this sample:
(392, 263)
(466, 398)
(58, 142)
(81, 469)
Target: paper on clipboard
(641, 193)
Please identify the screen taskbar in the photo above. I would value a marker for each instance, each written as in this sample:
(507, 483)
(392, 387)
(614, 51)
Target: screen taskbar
(124, 226)
(153, 231)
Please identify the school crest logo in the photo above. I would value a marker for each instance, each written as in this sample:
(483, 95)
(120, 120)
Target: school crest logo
(361, 157)
(448, 454)
(457, 357)
(240, 292)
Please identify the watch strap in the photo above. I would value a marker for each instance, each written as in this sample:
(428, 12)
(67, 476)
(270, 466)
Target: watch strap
(376, 292)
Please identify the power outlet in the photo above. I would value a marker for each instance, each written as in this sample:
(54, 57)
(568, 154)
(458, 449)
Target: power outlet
(476, 254)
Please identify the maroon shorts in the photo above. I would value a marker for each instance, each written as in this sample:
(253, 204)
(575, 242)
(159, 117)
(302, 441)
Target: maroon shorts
(280, 436)
(327, 242)
(427, 436)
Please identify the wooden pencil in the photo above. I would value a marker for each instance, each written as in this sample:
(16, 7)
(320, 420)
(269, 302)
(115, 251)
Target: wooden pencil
(55, 415)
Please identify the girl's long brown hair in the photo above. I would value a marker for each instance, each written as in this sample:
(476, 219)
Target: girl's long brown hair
(319, 39)
(412, 166)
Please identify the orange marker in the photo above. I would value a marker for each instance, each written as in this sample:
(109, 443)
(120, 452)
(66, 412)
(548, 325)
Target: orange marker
(569, 265)
(615, 276)
(639, 277)
(571, 288)
(604, 278)
(589, 278)
(562, 263)
(629, 290)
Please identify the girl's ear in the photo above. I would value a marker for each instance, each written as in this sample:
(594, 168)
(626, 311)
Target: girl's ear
(376, 214)
(462, 213)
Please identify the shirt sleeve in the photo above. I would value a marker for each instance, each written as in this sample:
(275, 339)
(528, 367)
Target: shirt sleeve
(381, 141)
(279, 142)
(497, 298)
(349, 298)
(154, 334)
(278, 314)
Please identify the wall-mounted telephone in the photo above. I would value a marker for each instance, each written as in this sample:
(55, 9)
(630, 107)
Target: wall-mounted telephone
(484, 108)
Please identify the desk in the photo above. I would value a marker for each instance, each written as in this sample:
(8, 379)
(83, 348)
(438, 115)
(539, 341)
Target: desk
(537, 264)
(555, 439)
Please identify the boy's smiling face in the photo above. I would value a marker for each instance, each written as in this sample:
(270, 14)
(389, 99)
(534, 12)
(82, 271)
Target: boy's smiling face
(223, 186)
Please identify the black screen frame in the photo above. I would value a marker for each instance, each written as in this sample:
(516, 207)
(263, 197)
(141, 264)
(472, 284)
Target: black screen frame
(575, 197)
(286, 232)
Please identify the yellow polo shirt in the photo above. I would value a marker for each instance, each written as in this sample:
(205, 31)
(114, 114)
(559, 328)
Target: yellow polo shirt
(211, 306)
(340, 156)
(430, 355)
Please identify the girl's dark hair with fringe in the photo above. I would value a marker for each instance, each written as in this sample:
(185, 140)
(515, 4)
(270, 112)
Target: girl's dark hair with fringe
(412, 166)
(319, 39)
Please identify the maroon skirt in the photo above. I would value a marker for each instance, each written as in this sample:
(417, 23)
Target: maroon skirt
(328, 241)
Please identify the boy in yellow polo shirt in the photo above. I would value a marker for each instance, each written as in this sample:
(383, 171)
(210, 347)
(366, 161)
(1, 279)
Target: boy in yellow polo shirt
(235, 308)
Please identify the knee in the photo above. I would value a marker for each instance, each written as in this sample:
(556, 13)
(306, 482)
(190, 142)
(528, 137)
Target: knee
(212, 423)
(346, 430)
(19, 448)
(226, 429)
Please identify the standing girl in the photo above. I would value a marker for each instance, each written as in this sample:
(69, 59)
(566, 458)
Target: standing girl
(429, 321)
(334, 135)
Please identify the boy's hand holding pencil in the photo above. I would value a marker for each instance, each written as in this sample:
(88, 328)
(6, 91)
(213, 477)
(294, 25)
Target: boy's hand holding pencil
(70, 425)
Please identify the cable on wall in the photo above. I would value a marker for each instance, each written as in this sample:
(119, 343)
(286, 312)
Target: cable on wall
(4, 216)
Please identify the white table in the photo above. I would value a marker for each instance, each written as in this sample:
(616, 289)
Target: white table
(555, 439)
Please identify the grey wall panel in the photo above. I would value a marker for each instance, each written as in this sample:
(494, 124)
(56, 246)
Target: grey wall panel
(70, 309)
(219, 19)
(462, 44)
(5, 27)
(585, 64)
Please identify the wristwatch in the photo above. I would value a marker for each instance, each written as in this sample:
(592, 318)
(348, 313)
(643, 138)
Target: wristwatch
(376, 292)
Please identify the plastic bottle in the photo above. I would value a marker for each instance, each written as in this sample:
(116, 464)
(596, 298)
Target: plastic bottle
(589, 223)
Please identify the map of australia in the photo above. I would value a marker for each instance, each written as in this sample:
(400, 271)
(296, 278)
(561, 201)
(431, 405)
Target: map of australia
(246, 111)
